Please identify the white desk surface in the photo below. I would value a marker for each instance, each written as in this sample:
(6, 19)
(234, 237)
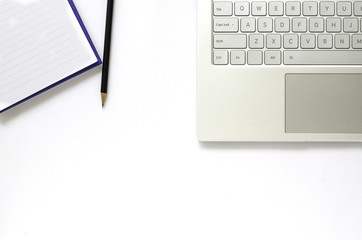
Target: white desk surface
(135, 170)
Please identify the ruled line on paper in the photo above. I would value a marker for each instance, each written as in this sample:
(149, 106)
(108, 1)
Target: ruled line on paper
(38, 53)
(24, 50)
(35, 78)
(18, 8)
(29, 21)
(38, 62)
(33, 44)
(35, 70)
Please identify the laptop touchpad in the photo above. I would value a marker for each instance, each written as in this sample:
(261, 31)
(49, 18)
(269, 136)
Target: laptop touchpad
(323, 103)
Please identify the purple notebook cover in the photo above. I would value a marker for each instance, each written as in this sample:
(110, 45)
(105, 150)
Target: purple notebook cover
(99, 61)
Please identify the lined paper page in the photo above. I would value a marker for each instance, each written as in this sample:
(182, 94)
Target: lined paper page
(41, 43)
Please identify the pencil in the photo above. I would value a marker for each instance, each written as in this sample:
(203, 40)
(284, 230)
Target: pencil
(107, 50)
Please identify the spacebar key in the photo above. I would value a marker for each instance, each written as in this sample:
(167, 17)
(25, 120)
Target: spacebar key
(323, 57)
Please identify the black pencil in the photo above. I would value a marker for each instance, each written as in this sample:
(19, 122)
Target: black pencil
(107, 50)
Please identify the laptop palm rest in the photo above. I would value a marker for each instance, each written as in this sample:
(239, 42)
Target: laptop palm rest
(323, 103)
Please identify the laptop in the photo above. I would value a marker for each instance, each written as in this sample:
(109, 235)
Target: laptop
(285, 71)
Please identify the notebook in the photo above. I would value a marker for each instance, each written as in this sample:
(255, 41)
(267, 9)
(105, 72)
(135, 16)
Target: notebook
(42, 44)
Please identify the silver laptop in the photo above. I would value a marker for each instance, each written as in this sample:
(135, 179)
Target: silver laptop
(279, 70)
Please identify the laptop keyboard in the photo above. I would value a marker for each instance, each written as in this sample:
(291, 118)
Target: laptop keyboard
(287, 33)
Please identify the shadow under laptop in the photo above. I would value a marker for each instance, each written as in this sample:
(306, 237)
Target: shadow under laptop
(40, 99)
(292, 146)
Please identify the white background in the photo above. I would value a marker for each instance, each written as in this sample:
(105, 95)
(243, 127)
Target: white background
(135, 170)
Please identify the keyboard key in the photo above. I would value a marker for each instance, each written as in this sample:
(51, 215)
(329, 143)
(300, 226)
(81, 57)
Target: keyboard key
(273, 41)
(273, 57)
(226, 25)
(276, 8)
(255, 57)
(357, 41)
(256, 41)
(316, 25)
(248, 25)
(237, 57)
(291, 41)
(221, 57)
(299, 25)
(223, 8)
(325, 41)
(334, 25)
(350, 25)
(258, 8)
(282, 24)
(344, 8)
(310, 8)
(341, 41)
(230, 41)
(292, 8)
(307, 41)
(322, 57)
(242, 8)
(327, 8)
(357, 8)
(265, 25)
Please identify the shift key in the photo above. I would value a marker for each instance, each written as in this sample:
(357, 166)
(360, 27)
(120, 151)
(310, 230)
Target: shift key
(235, 41)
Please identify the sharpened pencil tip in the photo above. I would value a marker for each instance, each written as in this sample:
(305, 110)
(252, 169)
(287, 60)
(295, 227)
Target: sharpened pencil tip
(104, 97)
